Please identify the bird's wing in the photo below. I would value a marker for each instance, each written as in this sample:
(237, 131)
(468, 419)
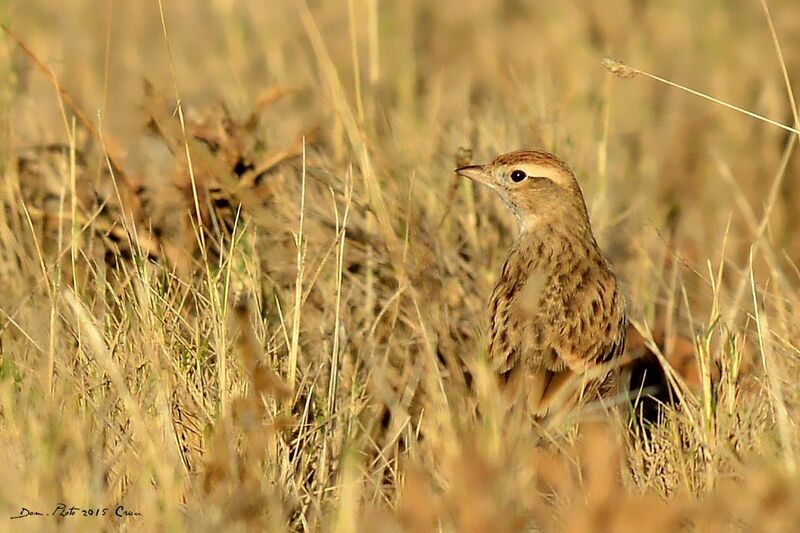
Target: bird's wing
(592, 327)
(554, 335)
(536, 325)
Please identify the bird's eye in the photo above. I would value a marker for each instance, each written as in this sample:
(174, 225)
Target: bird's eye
(518, 176)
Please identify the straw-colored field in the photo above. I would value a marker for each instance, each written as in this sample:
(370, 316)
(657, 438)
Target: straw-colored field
(241, 287)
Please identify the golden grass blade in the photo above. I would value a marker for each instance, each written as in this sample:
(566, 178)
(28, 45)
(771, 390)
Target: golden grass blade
(622, 70)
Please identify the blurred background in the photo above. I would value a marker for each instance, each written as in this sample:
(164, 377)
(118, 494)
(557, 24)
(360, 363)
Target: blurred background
(429, 78)
(696, 206)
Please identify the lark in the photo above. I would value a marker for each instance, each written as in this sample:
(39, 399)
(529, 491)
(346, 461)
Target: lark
(557, 316)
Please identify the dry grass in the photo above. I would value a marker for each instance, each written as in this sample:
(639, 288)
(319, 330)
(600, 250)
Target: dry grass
(269, 314)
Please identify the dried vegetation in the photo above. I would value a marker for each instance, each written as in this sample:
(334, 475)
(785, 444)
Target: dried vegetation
(241, 288)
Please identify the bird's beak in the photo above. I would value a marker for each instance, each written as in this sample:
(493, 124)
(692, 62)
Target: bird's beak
(476, 173)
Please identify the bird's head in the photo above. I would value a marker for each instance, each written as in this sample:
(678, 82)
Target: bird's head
(537, 186)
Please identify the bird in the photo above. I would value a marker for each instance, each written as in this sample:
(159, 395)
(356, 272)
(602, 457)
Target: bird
(557, 314)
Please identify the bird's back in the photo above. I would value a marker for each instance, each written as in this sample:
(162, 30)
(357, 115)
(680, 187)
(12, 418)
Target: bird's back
(555, 310)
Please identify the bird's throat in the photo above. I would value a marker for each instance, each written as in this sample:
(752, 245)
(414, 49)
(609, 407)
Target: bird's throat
(548, 244)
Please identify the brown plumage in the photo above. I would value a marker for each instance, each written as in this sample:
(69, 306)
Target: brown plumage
(557, 317)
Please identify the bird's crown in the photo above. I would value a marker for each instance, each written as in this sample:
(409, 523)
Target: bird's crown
(536, 185)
